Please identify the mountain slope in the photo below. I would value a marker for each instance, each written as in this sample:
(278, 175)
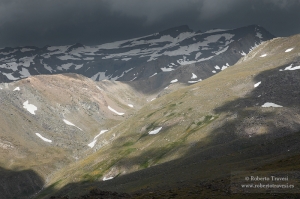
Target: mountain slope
(50, 121)
(162, 53)
(243, 118)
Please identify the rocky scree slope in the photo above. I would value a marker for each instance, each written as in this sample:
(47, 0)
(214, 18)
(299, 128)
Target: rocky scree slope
(243, 118)
(49, 121)
(176, 54)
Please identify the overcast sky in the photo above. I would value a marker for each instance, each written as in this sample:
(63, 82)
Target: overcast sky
(92, 22)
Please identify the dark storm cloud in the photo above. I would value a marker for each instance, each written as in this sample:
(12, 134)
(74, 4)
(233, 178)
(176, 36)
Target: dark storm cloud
(60, 22)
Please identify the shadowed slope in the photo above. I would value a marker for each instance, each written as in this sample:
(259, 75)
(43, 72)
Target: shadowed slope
(19, 183)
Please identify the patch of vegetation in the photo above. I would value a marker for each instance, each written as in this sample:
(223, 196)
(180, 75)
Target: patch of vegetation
(143, 135)
(128, 144)
(88, 178)
(172, 105)
(207, 120)
(190, 109)
(150, 114)
(144, 164)
(127, 151)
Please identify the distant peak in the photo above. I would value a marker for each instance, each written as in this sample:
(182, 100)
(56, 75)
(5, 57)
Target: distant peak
(77, 45)
(176, 30)
(74, 46)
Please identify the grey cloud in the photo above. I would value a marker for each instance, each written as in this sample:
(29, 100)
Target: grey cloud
(60, 22)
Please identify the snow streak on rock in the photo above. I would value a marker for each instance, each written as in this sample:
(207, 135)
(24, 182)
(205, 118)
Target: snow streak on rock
(43, 138)
(113, 110)
(71, 124)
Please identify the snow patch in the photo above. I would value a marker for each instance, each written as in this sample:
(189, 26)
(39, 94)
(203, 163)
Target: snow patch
(130, 105)
(107, 178)
(270, 104)
(257, 84)
(174, 81)
(126, 59)
(78, 66)
(88, 58)
(10, 76)
(198, 55)
(215, 30)
(153, 75)
(17, 89)
(192, 82)
(67, 57)
(213, 71)
(29, 107)
(65, 66)
(165, 69)
(243, 53)
(155, 131)
(263, 55)
(290, 67)
(113, 110)
(259, 35)
(43, 138)
(193, 76)
(92, 144)
(71, 124)
(26, 50)
(288, 50)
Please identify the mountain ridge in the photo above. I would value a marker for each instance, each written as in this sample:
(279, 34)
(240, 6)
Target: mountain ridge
(138, 58)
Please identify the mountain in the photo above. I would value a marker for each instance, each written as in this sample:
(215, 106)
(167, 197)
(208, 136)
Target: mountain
(67, 135)
(177, 54)
(48, 122)
(188, 142)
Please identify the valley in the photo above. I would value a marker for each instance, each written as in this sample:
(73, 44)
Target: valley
(177, 133)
